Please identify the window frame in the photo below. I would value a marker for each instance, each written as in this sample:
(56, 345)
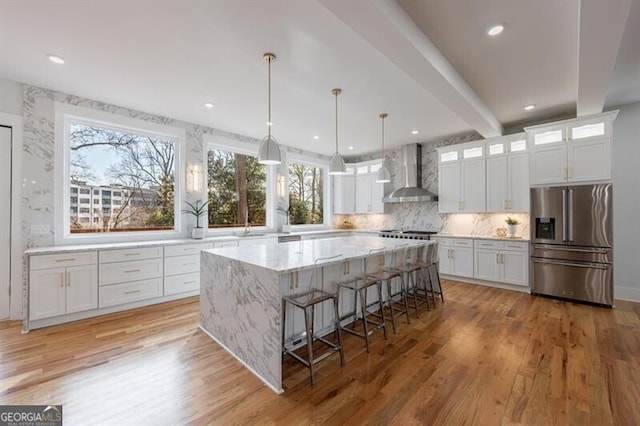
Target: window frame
(66, 114)
(326, 207)
(235, 146)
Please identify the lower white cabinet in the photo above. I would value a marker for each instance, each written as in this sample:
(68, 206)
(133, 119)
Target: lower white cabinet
(65, 289)
(498, 261)
(119, 294)
(182, 268)
(456, 256)
(502, 261)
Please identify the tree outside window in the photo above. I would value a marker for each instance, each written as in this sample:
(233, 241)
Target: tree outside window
(306, 194)
(139, 166)
(237, 189)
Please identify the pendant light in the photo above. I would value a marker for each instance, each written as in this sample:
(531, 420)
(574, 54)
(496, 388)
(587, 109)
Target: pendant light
(383, 173)
(269, 152)
(336, 164)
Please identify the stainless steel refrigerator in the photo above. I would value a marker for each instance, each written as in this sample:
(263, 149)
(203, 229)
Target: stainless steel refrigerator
(572, 242)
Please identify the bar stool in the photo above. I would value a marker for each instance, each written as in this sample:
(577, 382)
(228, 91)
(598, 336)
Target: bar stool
(401, 264)
(416, 276)
(360, 284)
(307, 301)
(434, 275)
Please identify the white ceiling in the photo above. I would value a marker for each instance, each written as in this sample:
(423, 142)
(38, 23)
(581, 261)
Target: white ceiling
(428, 63)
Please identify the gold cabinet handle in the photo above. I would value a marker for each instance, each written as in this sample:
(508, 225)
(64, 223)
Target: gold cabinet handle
(131, 271)
(132, 292)
(68, 259)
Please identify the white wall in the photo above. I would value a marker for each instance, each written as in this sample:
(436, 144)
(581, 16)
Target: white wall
(626, 202)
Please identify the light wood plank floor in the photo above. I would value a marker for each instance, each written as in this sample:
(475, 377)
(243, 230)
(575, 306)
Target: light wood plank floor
(486, 356)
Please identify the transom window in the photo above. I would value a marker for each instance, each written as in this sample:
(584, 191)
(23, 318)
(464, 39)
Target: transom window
(307, 185)
(237, 189)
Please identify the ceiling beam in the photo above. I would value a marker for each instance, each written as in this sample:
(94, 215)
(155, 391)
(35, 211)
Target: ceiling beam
(600, 32)
(389, 29)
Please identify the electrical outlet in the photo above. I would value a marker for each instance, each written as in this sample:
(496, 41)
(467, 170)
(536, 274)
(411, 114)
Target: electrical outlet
(40, 229)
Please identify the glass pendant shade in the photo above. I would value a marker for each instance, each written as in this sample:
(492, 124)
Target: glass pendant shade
(383, 176)
(336, 165)
(269, 152)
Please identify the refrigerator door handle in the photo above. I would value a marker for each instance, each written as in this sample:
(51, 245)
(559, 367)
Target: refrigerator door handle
(571, 249)
(570, 214)
(577, 265)
(564, 215)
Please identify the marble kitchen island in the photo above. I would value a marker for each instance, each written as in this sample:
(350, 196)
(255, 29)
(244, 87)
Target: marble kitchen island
(241, 291)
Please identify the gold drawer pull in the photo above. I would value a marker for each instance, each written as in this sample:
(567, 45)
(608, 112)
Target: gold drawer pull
(190, 282)
(68, 259)
(132, 270)
(188, 264)
(132, 254)
(132, 292)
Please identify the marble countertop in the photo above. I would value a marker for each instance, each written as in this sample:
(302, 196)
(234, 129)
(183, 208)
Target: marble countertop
(177, 241)
(481, 237)
(297, 255)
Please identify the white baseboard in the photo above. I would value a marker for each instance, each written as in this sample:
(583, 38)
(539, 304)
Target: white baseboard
(627, 293)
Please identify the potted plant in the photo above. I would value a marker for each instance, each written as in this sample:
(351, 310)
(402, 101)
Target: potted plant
(512, 224)
(197, 209)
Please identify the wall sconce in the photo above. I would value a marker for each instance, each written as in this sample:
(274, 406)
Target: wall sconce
(281, 185)
(195, 178)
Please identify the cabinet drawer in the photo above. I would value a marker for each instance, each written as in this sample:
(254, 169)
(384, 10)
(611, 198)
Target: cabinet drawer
(107, 256)
(228, 243)
(181, 264)
(47, 261)
(458, 242)
(515, 246)
(119, 294)
(487, 244)
(184, 249)
(444, 242)
(181, 283)
(120, 272)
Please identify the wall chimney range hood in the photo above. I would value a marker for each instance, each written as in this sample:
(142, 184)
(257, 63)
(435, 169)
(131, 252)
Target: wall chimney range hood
(412, 190)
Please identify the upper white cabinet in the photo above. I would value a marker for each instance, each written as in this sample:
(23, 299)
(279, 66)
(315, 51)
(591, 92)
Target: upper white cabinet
(571, 151)
(358, 191)
(507, 174)
(461, 184)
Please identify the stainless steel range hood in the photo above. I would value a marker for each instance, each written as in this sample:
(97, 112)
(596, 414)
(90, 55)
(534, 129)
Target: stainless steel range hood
(412, 190)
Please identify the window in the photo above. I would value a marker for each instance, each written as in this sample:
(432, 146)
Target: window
(237, 189)
(306, 194)
(116, 194)
(100, 151)
(74, 200)
(74, 190)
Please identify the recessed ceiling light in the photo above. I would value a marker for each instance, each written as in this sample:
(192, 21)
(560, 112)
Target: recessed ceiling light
(529, 107)
(414, 132)
(209, 105)
(316, 137)
(350, 147)
(495, 30)
(56, 59)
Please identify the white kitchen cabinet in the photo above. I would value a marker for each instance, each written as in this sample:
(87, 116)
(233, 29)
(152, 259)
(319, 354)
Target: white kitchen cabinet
(501, 261)
(225, 243)
(62, 290)
(358, 191)
(182, 268)
(461, 179)
(507, 174)
(344, 195)
(456, 256)
(571, 151)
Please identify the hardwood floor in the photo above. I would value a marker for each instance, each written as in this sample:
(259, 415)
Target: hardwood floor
(486, 356)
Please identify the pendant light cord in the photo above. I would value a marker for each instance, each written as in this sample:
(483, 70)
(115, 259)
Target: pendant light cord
(270, 124)
(336, 93)
(382, 116)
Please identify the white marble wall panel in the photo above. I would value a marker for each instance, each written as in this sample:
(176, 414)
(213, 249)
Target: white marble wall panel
(240, 308)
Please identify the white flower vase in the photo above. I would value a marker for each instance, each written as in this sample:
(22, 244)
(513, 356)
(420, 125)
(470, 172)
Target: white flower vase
(513, 229)
(197, 233)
